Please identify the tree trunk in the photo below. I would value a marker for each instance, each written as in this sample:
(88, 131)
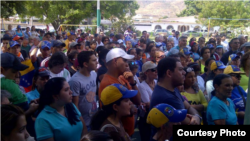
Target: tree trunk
(55, 25)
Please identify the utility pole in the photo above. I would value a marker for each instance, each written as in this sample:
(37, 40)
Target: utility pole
(98, 16)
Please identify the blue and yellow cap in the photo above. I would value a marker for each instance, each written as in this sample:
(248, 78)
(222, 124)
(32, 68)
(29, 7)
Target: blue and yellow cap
(14, 43)
(163, 113)
(217, 65)
(114, 92)
(186, 51)
(233, 57)
(219, 46)
(70, 33)
(46, 44)
(232, 69)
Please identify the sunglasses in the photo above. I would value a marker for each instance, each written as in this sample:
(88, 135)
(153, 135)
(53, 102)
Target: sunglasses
(153, 70)
(133, 63)
(236, 75)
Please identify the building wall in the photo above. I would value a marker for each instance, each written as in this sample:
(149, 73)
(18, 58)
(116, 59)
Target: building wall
(182, 27)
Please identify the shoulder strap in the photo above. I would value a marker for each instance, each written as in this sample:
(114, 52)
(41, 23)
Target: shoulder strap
(243, 98)
(108, 125)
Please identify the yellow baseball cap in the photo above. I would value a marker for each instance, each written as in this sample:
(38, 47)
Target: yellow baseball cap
(232, 69)
(217, 65)
(70, 33)
(163, 113)
(114, 92)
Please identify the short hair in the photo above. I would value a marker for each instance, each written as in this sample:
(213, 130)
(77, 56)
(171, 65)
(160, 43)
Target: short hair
(144, 31)
(183, 37)
(56, 59)
(167, 63)
(241, 36)
(138, 51)
(6, 94)
(92, 42)
(84, 56)
(170, 39)
(143, 41)
(201, 38)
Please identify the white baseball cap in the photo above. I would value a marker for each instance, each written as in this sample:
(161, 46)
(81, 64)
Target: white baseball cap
(118, 52)
(148, 65)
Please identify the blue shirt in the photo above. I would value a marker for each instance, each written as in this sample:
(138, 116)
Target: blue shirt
(217, 109)
(196, 56)
(162, 95)
(139, 64)
(51, 124)
(238, 101)
(26, 36)
(20, 33)
(32, 95)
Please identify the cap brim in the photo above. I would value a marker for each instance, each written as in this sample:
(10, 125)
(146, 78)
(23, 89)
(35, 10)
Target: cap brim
(179, 115)
(128, 57)
(221, 67)
(20, 67)
(130, 94)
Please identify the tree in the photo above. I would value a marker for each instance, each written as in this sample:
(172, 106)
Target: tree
(10, 8)
(225, 10)
(193, 7)
(73, 12)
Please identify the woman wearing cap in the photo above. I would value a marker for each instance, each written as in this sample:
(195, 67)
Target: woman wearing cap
(245, 67)
(218, 52)
(195, 51)
(239, 95)
(192, 92)
(221, 109)
(58, 117)
(163, 117)
(19, 31)
(116, 103)
(39, 80)
(217, 67)
(205, 54)
(146, 87)
(234, 59)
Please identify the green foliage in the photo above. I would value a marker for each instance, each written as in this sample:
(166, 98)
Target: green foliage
(121, 25)
(10, 8)
(73, 12)
(193, 7)
(164, 17)
(226, 10)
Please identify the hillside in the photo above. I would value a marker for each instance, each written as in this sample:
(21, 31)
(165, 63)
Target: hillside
(161, 8)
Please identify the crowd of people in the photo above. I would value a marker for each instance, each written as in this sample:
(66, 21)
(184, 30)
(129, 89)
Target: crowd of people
(76, 86)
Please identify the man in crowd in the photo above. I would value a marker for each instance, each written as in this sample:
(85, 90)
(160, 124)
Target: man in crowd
(69, 40)
(201, 43)
(27, 33)
(83, 86)
(224, 43)
(176, 38)
(182, 44)
(25, 46)
(99, 41)
(117, 66)
(134, 40)
(242, 39)
(111, 36)
(170, 76)
(144, 34)
(234, 46)
(128, 34)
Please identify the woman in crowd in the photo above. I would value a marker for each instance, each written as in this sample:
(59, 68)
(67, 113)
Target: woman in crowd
(193, 39)
(13, 124)
(195, 51)
(72, 56)
(132, 51)
(146, 87)
(238, 96)
(105, 40)
(92, 46)
(192, 93)
(57, 64)
(148, 48)
(58, 119)
(139, 53)
(134, 69)
(19, 31)
(245, 67)
(217, 67)
(218, 52)
(39, 80)
(207, 68)
(95, 135)
(205, 54)
(116, 103)
(221, 109)
(200, 82)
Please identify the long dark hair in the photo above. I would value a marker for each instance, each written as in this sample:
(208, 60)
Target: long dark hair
(9, 118)
(100, 116)
(53, 87)
(207, 63)
(218, 80)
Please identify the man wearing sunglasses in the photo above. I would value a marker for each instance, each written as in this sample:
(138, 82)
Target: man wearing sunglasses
(234, 45)
(238, 96)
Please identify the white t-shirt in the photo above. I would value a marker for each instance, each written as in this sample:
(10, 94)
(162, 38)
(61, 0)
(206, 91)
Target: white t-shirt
(97, 45)
(146, 91)
(64, 73)
(137, 80)
(176, 41)
(225, 45)
(201, 83)
(209, 88)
